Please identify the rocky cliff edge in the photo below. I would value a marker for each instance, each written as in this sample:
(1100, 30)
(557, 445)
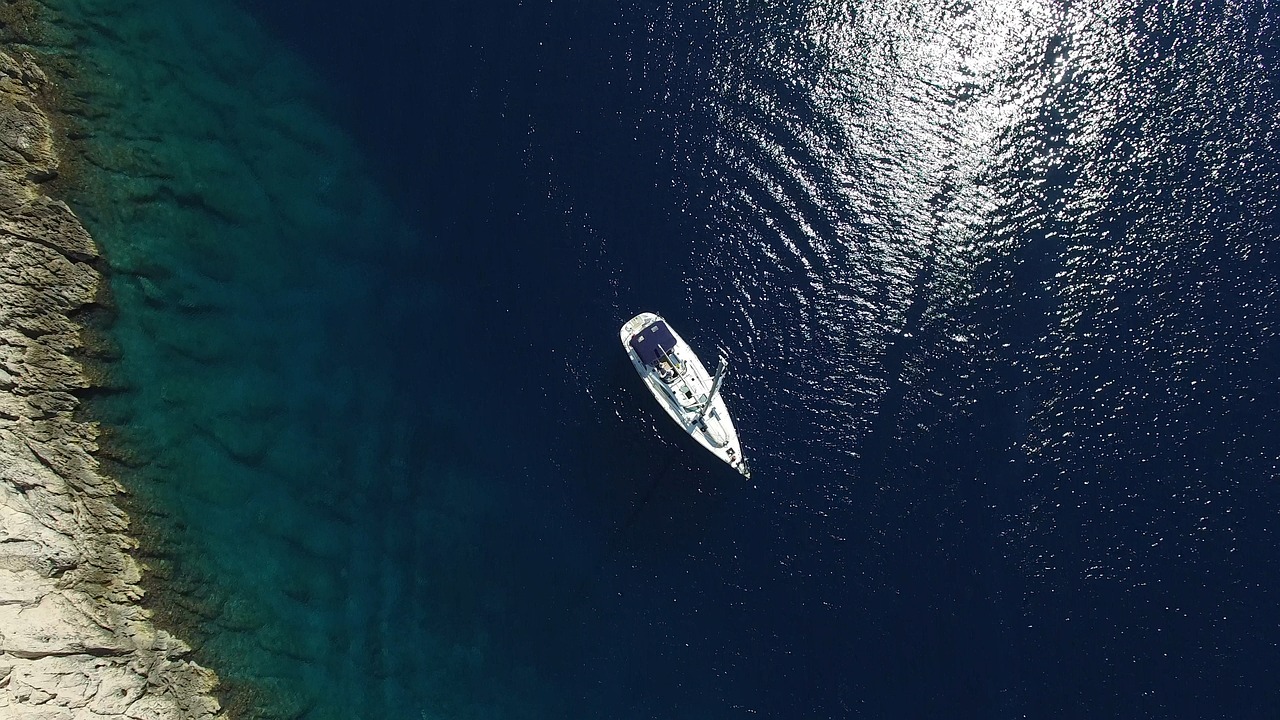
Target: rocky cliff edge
(74, 643)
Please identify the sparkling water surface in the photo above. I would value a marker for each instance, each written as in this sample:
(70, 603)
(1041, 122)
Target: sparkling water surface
(997, 279)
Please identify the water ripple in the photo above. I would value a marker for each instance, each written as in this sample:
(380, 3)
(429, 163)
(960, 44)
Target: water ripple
(1008, 255)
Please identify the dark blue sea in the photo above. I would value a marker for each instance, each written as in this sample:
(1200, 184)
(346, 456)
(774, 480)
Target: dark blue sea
(999, 282)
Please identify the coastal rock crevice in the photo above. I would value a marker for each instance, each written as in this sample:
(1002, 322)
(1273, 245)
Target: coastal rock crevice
(74, 642)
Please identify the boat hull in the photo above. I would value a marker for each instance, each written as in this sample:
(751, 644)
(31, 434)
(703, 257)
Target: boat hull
(713, 430)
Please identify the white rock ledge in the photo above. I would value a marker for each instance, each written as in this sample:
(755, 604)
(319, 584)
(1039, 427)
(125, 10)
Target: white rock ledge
(73, 642)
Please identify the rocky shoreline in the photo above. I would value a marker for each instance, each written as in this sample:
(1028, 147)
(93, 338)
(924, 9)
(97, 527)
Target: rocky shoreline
(74, 641)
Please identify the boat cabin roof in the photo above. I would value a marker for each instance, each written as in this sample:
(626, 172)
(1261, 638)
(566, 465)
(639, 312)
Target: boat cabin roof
(651, 342)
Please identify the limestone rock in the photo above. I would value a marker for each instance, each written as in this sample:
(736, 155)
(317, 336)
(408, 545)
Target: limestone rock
(74, 643)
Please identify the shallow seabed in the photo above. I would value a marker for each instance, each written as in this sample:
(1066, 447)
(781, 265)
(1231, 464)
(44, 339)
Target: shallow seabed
(311, 521)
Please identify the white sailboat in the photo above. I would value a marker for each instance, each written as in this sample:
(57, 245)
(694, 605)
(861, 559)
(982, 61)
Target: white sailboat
(683, 387)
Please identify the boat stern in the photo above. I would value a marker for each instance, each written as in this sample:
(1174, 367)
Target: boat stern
(635, 325)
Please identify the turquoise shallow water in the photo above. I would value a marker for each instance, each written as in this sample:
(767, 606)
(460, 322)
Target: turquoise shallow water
(266, 416)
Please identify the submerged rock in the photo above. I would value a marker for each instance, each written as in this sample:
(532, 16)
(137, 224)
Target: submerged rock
(73, 640)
